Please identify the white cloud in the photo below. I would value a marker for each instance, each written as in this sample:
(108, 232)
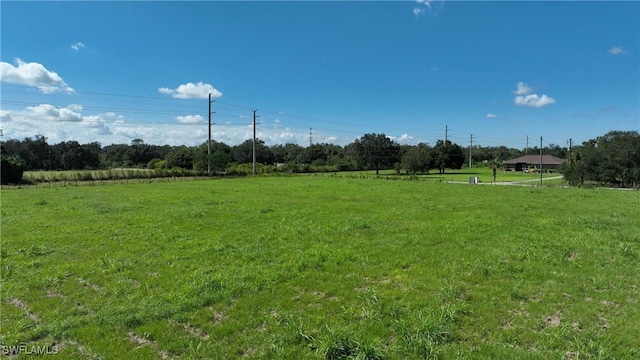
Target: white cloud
(534, 100)
(402, 139)
(405, 139)
(492, 116)
(190, 119)
(523, 89)
(76, 123)
(617, 50)
(526, 98)
(52, 113)
(55, 123)
(192, 91)
(33, 74)
(426, 3)
(431, 7)
(77, 46)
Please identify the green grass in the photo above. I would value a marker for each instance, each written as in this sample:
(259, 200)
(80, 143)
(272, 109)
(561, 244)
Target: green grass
(484, 174)
(321, 267)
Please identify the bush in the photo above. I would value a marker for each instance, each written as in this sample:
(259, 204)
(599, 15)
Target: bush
(12, 170)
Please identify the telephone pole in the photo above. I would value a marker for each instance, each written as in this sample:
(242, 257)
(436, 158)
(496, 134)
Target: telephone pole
(254, 142)
(526, 150)
(310, 136)
(540, 161)
(446, 134)
(470, 147)
(570, 145)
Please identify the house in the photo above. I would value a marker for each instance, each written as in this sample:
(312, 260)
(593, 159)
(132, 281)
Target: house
(532, 163)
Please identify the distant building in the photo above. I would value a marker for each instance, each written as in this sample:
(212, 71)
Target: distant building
(530, 162)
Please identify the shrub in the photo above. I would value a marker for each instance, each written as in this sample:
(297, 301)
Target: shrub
(12, 169)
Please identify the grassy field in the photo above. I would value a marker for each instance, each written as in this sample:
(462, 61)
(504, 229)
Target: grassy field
(321, 267)
(484, 174)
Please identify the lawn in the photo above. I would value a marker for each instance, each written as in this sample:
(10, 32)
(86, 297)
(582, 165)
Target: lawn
(484, 174)
(321, 267)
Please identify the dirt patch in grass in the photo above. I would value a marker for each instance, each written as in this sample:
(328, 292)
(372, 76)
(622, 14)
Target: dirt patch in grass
(262, 327)
(139, 340)
(604, 324)
(572, 256)
(219, 317)
(250, 351)
(86, 283)
(21, 305)
(54, 294)
(195, 331)
(135, 283)
(553, 320)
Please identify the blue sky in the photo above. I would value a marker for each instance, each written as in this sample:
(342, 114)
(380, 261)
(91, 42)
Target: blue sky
(116, 71)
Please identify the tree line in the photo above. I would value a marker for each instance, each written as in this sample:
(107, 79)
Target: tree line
(611, 159)
(369, 152)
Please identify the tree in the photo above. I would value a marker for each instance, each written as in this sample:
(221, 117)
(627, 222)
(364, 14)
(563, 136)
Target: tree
(76, 157)
(139, 154)
(180, 157)
(613, 158)
(219, 160)
(35, 153)
(243, 153)
(115, 155)
(11, 169)
(314, 153)
(287, 153)
(377, 151)
(417, 159)
(448, 155)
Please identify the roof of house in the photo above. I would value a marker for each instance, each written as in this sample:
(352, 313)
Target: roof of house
(535, 159)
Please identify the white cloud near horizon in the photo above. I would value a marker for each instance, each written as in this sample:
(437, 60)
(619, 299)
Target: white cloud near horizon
(55, 123)
(526, 98)
(492, 116)
(33, 74)
(192, 91)
(190, 119)
(617, 50)
(75, 123)
(77, 46)
(403, 139)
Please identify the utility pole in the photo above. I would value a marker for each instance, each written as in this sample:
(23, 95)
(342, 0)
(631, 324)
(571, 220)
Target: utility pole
(310, 136)
(570, 145)
(209, 140)
(254, 142)
(446, 134)
(540, 161)
(470, 147)
(526, 150)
